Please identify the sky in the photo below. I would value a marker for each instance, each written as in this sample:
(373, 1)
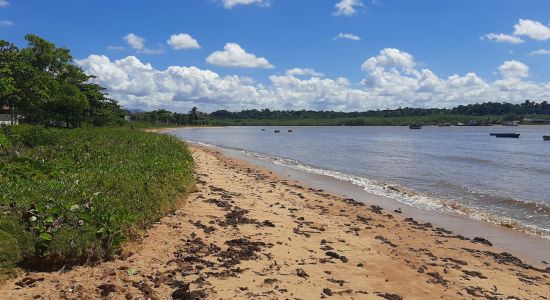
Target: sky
(344, 55)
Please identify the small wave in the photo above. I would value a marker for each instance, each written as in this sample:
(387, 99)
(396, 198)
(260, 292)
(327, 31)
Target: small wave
(416, 199)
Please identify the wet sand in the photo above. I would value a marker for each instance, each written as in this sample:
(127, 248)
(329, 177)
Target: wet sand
(248, 233)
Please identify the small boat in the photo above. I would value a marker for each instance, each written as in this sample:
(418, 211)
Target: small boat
(263, 129)
(277, 131)
(290, 130)
(546, 137)
(505, 135)
(415, 126)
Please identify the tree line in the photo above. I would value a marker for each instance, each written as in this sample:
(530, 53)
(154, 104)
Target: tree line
(479, 109)
(41, 84)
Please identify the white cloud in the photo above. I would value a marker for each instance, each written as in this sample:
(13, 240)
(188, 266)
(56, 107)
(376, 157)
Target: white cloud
(540, 52)
(138, 43)
(135, 41)
(347, 7)
(236, 57)
(229, 4)
(183, 41)
(532, 29)
(6, 23)
(348, 36)
(391, 79)
(502, 38)
(303, 72)
(513, 69)
(390, 58)
(4, 3)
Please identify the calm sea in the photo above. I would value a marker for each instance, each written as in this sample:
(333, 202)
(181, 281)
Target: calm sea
(457, 170)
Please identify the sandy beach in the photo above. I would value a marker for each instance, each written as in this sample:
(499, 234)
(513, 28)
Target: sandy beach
(248, 233)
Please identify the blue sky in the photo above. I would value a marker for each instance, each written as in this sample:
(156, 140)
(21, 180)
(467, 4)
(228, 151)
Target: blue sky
(444, 38)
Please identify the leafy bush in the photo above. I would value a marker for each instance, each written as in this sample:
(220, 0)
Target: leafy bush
(32, 136)
(77, 195)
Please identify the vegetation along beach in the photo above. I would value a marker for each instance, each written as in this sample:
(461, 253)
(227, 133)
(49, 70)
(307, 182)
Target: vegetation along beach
(271, 149)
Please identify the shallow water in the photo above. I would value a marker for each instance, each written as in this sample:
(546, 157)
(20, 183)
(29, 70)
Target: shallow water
(459, 170)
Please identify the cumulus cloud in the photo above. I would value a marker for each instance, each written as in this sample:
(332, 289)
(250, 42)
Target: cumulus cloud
(6, 23)
(303, 72)
(502, 38)
(134, 41)
(513, 69)
(540, 52)
(182, 41)
(138, 43)
(229, 4)
(532, 29)
(234, 56)
(391, 79)
(347, 36)
(347, 7)
(4, 3)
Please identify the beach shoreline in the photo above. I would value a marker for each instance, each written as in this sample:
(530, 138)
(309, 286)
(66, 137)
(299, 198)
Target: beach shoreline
(248, 232)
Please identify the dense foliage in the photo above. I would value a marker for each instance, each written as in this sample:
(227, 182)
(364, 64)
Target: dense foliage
(41, 84)
(71, 196)
(488, 112)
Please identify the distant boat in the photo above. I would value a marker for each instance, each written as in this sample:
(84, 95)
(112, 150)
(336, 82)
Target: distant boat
(513, 123)
(263, 129)
(546, 137)
(505, 135)
(290, 130)
(415, 126)
(277, 131)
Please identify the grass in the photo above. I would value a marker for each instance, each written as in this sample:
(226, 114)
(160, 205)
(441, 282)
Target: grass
(75, 196)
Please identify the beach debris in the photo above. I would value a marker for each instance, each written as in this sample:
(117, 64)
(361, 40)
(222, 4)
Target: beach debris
(270, 280)
(106, 289)
(237, 217)
(29, 282)
(474, 274)
(480, 240)
(301, 273)
(327, 292)
(353, 202)
(385, 241)
(389, 296)
(268, 223)
(376, 209)
(184, 293)
(437, 279)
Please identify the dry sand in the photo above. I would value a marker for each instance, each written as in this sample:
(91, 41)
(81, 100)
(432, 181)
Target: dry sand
(249, 234)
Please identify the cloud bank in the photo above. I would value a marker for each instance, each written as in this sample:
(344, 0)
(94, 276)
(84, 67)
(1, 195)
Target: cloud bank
(391, 79)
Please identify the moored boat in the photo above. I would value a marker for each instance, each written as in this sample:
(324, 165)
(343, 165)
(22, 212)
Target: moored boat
(277, 131)
(290, 130)
(546, 137)
(505, 135)
(415, 126)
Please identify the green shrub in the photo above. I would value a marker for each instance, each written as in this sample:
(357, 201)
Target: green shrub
(80, 194)
(32, 136)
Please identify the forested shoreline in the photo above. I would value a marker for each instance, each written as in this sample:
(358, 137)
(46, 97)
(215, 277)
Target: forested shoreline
(528, 112)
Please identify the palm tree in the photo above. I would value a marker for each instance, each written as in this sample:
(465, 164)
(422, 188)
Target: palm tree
(194, 114)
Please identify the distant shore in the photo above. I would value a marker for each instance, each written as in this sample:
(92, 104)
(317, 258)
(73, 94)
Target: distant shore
(249, 233)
